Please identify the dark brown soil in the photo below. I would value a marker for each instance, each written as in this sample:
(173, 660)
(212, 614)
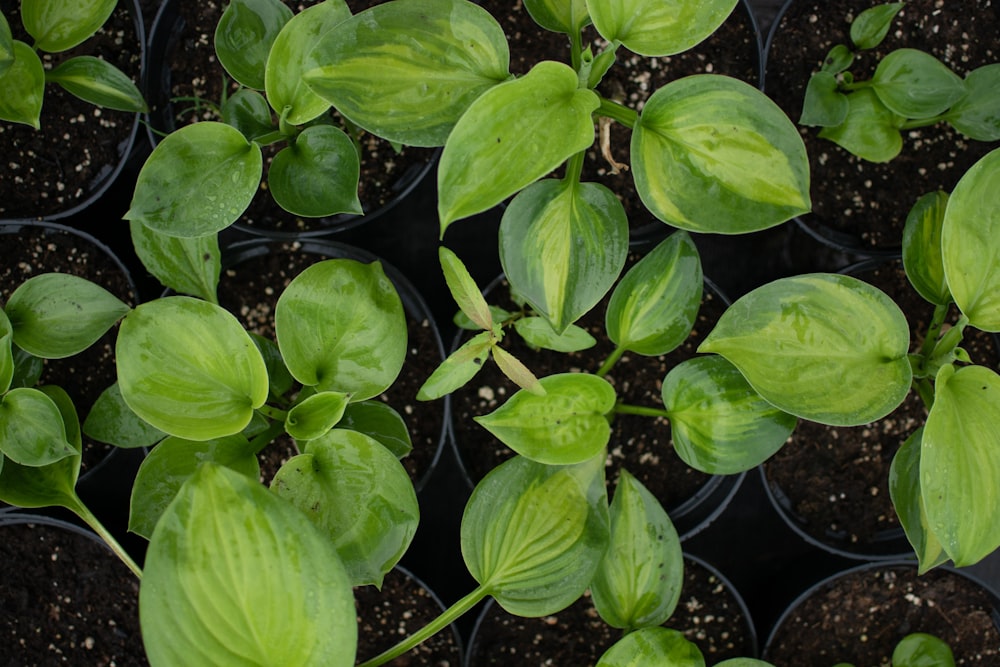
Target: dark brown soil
(709, 614)
(65, 600)
(864, 201)
(79, 146)
(861, 616)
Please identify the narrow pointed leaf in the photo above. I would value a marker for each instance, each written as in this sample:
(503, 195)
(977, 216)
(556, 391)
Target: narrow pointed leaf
(795, 338)
(533, 534)
(98, 82)
(316, 415)
(186, 264)
(111, 420)
(537, 332)
(562, 246)
(516, 371)
(244, 36)
(652, 647)
(514, 134)
(464, 290)
(915, 84)
(565, 16)
(204, 561)
(922, 256)
(24, 85)
(380, 422)
(871, 26)
(568, 424)
(657, 28)
(317, 174)
(248, 111)
(977, 113)
(824, 105)
(460, 367)
(31, 428)
(907, 500)
(58, 25)
(714, 134)
(870, 130)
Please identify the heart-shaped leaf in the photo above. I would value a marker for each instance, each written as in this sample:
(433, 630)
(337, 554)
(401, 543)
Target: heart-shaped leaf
(98, 82)
(652, 647)
(870, 130)
(31, 428)
(565, 16)
(915, 84)
(185, 264)
(316, 415)
(24, 85)
(380, 422)
(220, 527)
(111, 420)
(244, 35)
(795, 338)
(824, 105)
(922, 256)
(908, 501)
(58, 25)
(248, 111)
(871, 26)
(977, 114)
(657, 28)
(709, 133)
(317, 174)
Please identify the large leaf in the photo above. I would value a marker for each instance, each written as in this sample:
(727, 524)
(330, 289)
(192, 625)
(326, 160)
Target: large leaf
(654, 307)
(977, 113)
(562, 246)
(658, 27)
(203, 568)
(185, 264)
(713, 154)
(908, 501)
(960, 463)
(652, 647)
(870, 130)
(567, 424)
(915, 84)
(359, 495)
(317, 174)
(31, 428)
(98, 82)
(24, 85)
(719, 424)
(111, 420)
(533, 535)
(197, 181)
(294, 53)
(407, 70)
(189, 368)
(244, 36)
(796, 338)
(970, 243)
(565, 16)
(57, 315)
(514, 134)
(922, 255)
(340, 326)
(58, 25)
(639, 581)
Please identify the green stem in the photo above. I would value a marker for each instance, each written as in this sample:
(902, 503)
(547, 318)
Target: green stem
(926, 392)
(449, 616)
(574, 167)
(610, 361)
(856, 85)
(84, 513)
(619, 112)
(274, 413)
(271, 138)
(933, 331)
(264, 438)
(626, 409)
(576, 49)
(922, 122)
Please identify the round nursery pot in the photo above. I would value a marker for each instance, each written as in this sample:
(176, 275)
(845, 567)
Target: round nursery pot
(830, 483)
(255, 273)
(733, 50)
(861, 206)
(65, 598)
(640, 444)
(183, 67)
(711, 614)
(59, 170)
(859, 615)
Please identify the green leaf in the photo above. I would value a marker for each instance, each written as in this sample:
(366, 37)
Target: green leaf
(565, 16)
(562, 246)
(173, 462)
(652, 647)
(920, 649)
(838, 59)
(294, 53)
(969, 243)
(568, 424)
(23, 83)
(654, 307)
(188, 368)
(907, 499)
(516, 371)
(512, 135)
(538, 333)
(317, 174)
(244, 36)
(922, 256)
(31, 428)
(871, 26)
(359, 495)
(915, 84)
(720, 425)
(464, 289)
(98, 82)
(280, 381)
(407, 70)
(380, 422)
(533, 535)
(204, 562)
(711, 134)
(870, 130)
(463, 321)
(58, 25)
(743, 662)
(7, 363)
(316, 415)
(657, 28)
(961, 484)
(248, 111)
(6, 45)
(57, 315)
(795, 338)
(111, 420)
(197, 181)
(340, 326)
(977, 114)
(27, 369)
(460, 367)
(824, 104)
(639, 581)
(185, 264)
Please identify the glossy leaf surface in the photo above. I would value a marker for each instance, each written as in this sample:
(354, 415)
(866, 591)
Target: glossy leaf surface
(915, 84)
(713, 154)
(316, 415)
(248, 111)
(870, 130)
(31, 428)
(185, 264)
(6, 353)
(317, 174)
(922, 257)
(565, 16)
(977, 113)
(98, 82)
(244, 36)
(220, 527)
(24, 83)
(658, 28)
(652, 647)
(460, 367)
(824, 104)
(796, 337)
(871, 25)
(380, 422)
(562, 246)
(533, 534)
(58, 25)
(567, 424)
(907, 500)
(537, 332)
(110, 420)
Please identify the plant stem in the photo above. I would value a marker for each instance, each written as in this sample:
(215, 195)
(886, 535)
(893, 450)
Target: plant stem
(447, 617)
(274, 413)
(619, 112)
(626, 409)
(926, 392)
(921, 122)
(264, 438)
(270, 138)
(84, 513)
(933, 331)
(576, 49)
(610, 361)
(574, 167)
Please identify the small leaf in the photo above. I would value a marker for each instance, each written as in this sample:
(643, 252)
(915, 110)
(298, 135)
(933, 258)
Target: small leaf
(565, 16)
(244, 36)
(538, 333)
(922, 256)
(460, 367)
(907, 500)
(516, 371)
(656, 28)
(920, 649)
(59, 25)
(111, 420)
(359, 495)
(652, 647)
(464, 289)
(98, 82)
(220, 527)
(57, 315)
(27, 369)
(316, 175)
(568, 424)
(248, 111)
(32, 432)
(533, 534)
(870, 130)
(915, 84)
(824, 104)
(380, 422)
(6, 353)
(871, 26)
(498, 314)
(838, 59)
(977, 114)
(23, 83)
(185, 264)
(316, 415)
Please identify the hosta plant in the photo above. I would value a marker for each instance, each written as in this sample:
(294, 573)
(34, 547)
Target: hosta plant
(919, 649)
